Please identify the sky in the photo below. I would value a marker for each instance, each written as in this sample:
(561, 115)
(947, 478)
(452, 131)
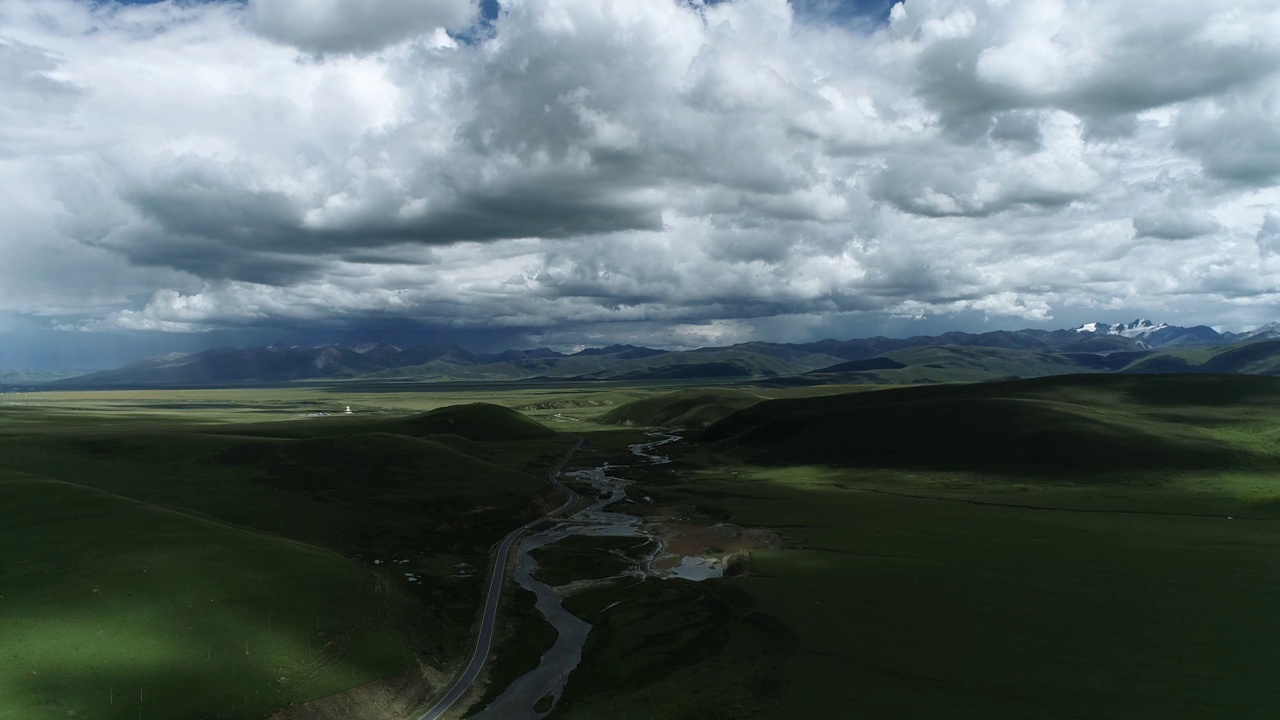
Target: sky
(675, 173)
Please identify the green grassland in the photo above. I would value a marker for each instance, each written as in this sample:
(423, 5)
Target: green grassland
(105, 597)
(1078, 426)
(226, 569)
(675, 649)
(1087, 546)
(697, 408)
(554, 406)
(1093, 546)
(684, 408)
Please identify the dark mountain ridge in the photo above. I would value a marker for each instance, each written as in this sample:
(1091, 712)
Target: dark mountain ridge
(1139, 347)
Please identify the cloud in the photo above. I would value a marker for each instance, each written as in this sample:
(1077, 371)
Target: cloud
(1268, 238)
(976, 181)
(1174, 224)
(1096, 61)
(581, 168)
(336, 26)
(1236, 138)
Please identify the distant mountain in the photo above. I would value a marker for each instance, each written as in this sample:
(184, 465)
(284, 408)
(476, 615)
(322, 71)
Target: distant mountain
(24, 378)
(1270, 331)
(1137, 328)
(1141, 346)
(228, 366)
(625, 352)
(875, 363)
(1159, 335)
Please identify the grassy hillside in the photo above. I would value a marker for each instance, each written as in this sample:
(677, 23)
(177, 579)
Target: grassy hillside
(1050, 426)
(684, 408)
(345, 534)
(1261, 358)
(473, 421)
(1078, 547)
(919, 597)
(107, 598)
(476, 421)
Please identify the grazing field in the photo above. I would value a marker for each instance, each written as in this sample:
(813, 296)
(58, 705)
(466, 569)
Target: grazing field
(113, 608)
(556, 407)
(1087, 546)
(1099, 547)
(227, 569)
(685, 408)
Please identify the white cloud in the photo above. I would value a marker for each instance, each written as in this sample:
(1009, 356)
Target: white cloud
(611, 166)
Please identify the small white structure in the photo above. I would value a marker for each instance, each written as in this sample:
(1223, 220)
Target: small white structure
(349, 411)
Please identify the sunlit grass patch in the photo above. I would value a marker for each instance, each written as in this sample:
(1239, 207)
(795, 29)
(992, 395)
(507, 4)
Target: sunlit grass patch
(104, 595)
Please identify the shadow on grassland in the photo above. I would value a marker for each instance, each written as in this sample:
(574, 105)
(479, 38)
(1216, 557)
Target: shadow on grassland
(912, 606)
(1052, 427)
(115, 608)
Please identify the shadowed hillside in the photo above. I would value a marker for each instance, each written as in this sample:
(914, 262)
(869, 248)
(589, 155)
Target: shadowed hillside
(1051, 426)
(200, 559)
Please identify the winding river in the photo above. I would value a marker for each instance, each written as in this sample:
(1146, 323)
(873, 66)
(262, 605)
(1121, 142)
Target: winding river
(518, 700)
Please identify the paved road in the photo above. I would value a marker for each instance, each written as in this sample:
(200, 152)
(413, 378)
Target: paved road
(485, 640)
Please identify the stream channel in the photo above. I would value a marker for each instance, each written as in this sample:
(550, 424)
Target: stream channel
(518, 700)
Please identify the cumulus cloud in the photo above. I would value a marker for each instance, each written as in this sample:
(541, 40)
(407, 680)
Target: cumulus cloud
(593, 168)
(327, 26)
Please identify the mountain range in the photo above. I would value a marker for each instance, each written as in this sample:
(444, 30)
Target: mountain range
(1139, 346)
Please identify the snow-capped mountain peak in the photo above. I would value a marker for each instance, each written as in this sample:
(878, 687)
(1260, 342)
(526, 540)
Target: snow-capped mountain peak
(1270, 331)
(1094, 327)
(1140, 327)
(1136, 329)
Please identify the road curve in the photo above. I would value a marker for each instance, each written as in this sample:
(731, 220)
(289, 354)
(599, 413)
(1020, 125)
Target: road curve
(485, 639)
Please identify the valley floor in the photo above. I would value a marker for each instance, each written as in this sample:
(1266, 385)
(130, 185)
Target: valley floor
(1075, 547)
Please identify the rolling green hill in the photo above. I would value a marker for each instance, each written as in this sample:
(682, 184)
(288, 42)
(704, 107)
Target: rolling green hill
(1085, 546)
(1049, 426)
(455, 425)
(208, 562)
(115, 608)
(1260, 358)
(475, 421)
(685, 408)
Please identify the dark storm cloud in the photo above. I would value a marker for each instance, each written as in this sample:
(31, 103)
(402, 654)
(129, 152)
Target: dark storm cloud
(199, 218)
